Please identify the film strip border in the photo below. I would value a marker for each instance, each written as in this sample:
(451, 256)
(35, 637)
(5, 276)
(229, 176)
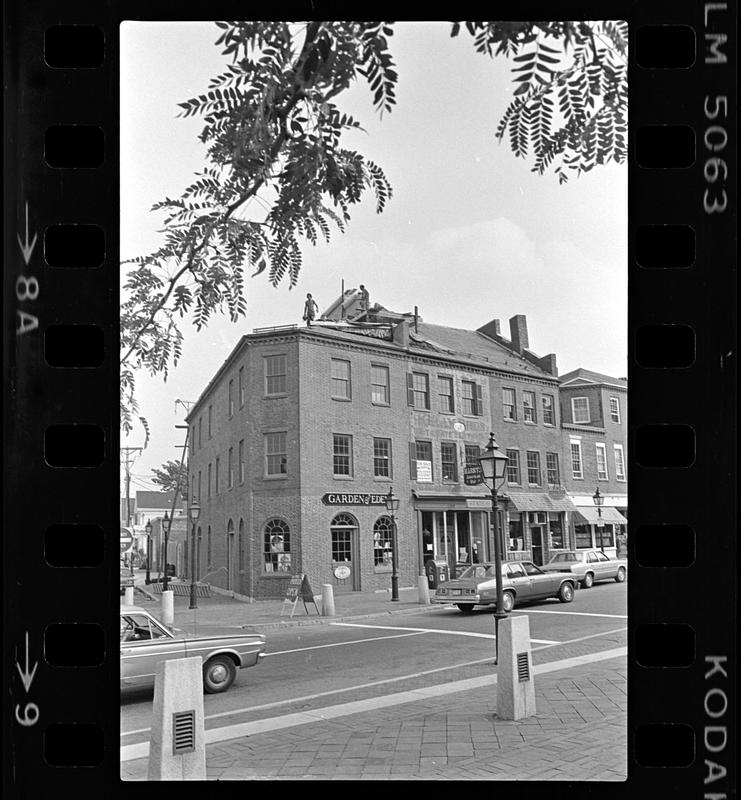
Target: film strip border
(61, 419)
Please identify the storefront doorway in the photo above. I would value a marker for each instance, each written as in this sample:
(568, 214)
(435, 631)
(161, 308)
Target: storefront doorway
(345, 559)
(536, 533)
(457, 537)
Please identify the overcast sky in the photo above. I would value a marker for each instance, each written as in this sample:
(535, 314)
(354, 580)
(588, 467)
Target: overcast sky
(469, 235)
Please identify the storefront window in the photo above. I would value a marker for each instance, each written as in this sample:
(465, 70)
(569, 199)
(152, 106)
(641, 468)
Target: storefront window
(608, 539)
(382, 535)
(516, 541)
(555, 527)
(277, 546)
(583, 535)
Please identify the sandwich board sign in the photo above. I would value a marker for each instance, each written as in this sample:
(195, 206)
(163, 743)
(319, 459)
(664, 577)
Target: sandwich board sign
(298, 589)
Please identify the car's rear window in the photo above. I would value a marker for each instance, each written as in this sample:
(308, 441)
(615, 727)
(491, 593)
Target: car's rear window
(479, 571)
(561, 558)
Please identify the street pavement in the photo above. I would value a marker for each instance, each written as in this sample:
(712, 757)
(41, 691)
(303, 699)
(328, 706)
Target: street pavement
(445, 732)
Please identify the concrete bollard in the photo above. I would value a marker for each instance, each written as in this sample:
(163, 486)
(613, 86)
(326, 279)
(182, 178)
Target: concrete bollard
(423, 590)
(168, 608)
(327, 600)
(515, 680)
(178, 709)
(129, 596)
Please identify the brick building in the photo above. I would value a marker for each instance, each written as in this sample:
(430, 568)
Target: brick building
(303, 430)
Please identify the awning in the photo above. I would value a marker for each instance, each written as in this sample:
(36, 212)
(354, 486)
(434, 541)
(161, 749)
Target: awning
(587, 515)
(539, 501)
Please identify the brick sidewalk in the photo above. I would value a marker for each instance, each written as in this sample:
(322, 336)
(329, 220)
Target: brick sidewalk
(578, 733)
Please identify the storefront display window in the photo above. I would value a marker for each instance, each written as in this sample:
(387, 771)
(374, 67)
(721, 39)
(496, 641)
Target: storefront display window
(516, 541)
(555, 527)
(382, 532)
(583, 535)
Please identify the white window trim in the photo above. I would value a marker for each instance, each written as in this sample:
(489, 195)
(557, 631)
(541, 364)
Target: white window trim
(600, 446)
(619, 448)
(580, 476)
(619, 419)
(573, 411)
(265, 358)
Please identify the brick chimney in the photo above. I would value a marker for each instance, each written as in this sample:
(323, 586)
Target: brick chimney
(518, 331)
(548, 364)
(492, 329)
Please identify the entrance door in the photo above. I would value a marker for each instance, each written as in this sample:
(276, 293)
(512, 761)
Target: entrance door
(230, 556)
(345, 563)
(536, 532)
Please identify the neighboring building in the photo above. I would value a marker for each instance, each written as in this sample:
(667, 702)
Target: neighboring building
(303, 430)
(146, 507)
(177, 543)
(594, 409)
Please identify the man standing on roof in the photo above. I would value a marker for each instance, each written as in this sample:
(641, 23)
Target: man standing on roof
(311, 309)
(364, 300)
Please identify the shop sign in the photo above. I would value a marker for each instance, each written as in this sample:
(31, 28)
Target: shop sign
(473, 475)
(424, 471)
(298, 588)
(337, 499)
(342, 572)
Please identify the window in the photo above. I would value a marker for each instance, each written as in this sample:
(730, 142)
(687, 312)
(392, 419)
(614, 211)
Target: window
(583, 536)
(619, 463)
(580, 410)
(275, 375)
(241, 387)
(449, 457)
(342, 455)
(341, 379)
(230, 468)
(508, 401)
(601, 461)
(240, 546)
(472, 451)
(241, 460)
(193, 487)
(551, 468)
(200, 432)
(277, 546)
(382, 533)
(446, 401)
(472, 403)
(275, 454)
(217, 481)
(533, 468)
(210, 421)
(421, 461)
(576, 462)
(192, 437)
(555, 527)
(513, 466)
(342, 529)
(231, 398)
(418, 390)
(549, 417)
(382, 458)
(380, 394)
(615, 410)
(528, 407)
(209, 550)
(208, 487)
(199, 484)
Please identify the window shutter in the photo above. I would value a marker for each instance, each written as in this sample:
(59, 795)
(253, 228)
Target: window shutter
(413, 460)
(410, 389)
(478, 403)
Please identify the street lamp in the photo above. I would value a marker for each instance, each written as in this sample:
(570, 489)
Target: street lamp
(193, 512)
(493, 467)
(392, 504)
(599, 501)
(148, 531)
(166, 522)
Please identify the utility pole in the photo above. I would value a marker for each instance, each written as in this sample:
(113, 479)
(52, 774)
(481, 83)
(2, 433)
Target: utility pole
(128, 462)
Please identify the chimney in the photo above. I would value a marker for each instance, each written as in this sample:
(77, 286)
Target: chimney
(518, 333)
(400, 333)
(492, 329)
(548, 364)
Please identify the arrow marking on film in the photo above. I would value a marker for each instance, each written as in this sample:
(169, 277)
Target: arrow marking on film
(26, 676)
(26, 249)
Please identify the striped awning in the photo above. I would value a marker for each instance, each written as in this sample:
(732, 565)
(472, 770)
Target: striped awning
(587, 515)
(539, 501)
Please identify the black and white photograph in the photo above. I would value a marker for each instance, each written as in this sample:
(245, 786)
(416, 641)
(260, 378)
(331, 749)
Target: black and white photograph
(374, 400)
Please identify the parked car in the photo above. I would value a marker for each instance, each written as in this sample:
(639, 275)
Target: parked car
(145, 641)
(127, 579)
(521, 581)
(588, 566)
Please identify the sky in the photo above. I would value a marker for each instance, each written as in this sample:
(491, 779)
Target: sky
(469, 235)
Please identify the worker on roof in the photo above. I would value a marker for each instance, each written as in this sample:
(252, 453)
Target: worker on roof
(311, 309)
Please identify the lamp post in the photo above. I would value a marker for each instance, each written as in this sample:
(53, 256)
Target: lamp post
(392, 505)
(193, 513)
(166, 522)
(148, 530)
(493, 467)
(599, 502)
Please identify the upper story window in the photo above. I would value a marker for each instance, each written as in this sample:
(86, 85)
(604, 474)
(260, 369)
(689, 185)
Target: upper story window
(533, 468)
(619, 463)
(275, 374)
(231, 398)
(528, 407)
(241, 387)
(217, 476)
(275, 453)
(601, 461)
(471, 395)
(472, 453)
(420, 458)
(208, 479)
(551, 468)
(230, 468)
(241, 460)
(210, 421)
(446, 400)
(513, 466)
(342, 455)
(449, 458)
(341, 389)
(380, 385)
(549, 417)
(615, 410)
(577, 469)
(508, 402)
(418, 390)
(381, 458)
(200, 432)
(580, 410)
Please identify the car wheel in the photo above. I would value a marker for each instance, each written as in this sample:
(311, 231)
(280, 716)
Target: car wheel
(620, 577)
(218, 674)
(466, 608)
(566, 593)
(508, 601)
(588, 580)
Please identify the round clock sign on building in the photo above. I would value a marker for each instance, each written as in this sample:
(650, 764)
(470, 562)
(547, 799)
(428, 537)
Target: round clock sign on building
(459, 427)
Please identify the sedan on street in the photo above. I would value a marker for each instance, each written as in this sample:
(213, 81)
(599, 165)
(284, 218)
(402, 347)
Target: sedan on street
(588, 566)
(522, 581)
(145, 641)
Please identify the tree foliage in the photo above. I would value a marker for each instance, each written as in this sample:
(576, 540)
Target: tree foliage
(278, 174)
(172, 476)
